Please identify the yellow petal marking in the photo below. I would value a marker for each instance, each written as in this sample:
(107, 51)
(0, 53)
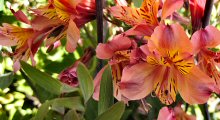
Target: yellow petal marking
(20, 35)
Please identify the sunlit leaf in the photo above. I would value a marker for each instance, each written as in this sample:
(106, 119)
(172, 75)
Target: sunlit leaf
(85, 81)
(113, 113)
(106, 98)
(40, 92)
(2, 5)
(42, 79)
(6, 80)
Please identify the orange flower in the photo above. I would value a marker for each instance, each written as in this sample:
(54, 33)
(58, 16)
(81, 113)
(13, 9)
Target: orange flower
(147, 13)
(203, 40)
(169, 69)
(119, 52)
(66, 17)
(26, 40)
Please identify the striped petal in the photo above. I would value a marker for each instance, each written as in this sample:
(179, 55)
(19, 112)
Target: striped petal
(149, 10)
(130, 16)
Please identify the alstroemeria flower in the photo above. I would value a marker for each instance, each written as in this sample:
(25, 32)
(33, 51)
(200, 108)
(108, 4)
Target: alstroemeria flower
(118, 51)
(145, 19)
(70, 16)
(147, 13)
(134, 16)
(26, 40)
(203, 40)
(169, 69)
(69, 75)
(175, 113)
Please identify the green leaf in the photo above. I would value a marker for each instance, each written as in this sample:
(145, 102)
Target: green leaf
(53, 115)
(91, 109)
(67, 89)
(85, 81)
(69, 102)
(71, 115)
(137, 3)
(6, 80)
(42, 111)
(40, 92)
(113, 113)
(74, 103)
(106, 98)
(42, 79)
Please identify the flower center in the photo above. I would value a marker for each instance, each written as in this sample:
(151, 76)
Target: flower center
(182, 62)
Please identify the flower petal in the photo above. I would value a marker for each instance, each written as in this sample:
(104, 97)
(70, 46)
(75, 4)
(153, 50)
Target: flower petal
(119, 42)
(138, 80)
(195, 87)
(73, 35)
(166, 114)
(130, 16)
(170, 38)
(4, 41)
(103, 51)
(171, 6)
(205, 38)
(149, 10)
(20, 16)
(41, 22)
(140, 29)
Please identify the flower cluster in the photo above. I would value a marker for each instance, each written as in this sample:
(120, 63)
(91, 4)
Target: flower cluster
(158, 58)
(51, 23)
(155, 56)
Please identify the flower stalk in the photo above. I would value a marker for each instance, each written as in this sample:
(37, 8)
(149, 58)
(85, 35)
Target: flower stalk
(207, 13)
(205, 22)
(99, 18)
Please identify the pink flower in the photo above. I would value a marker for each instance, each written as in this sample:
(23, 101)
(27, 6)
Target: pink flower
(26, 40)
(169, 69)
(69, 75)
(175, 113)
(145, 19)
(208, 60)
(65, 17)
(118, 51)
